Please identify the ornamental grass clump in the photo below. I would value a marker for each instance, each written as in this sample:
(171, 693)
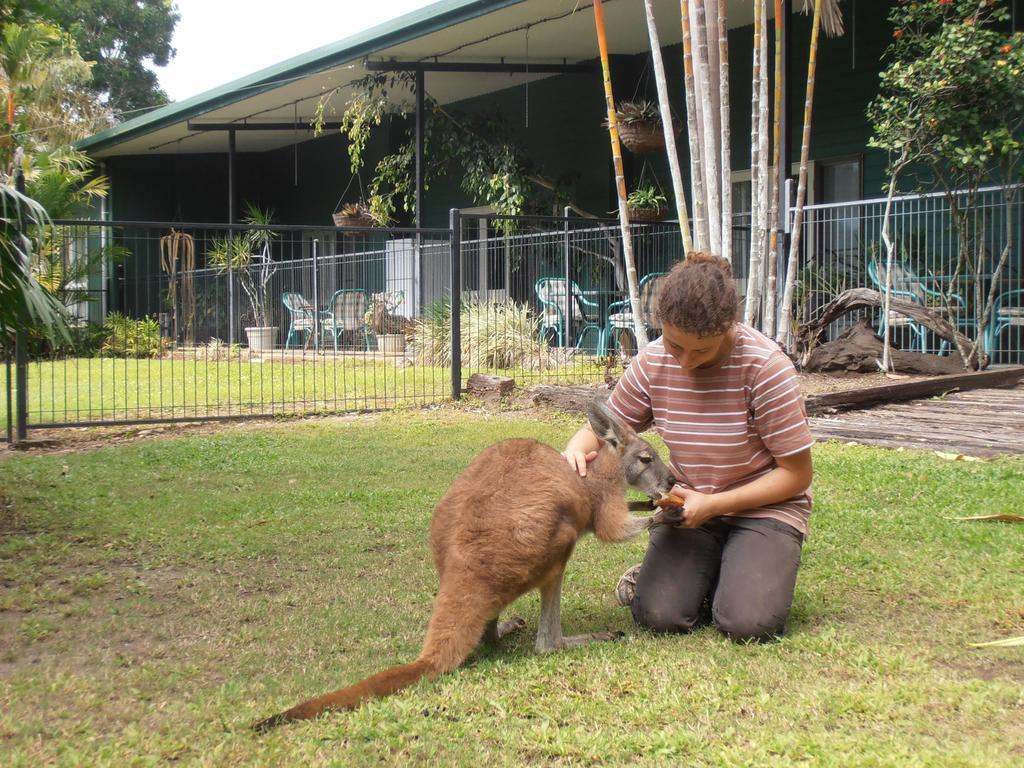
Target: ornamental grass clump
(495, 335)
(501, 334)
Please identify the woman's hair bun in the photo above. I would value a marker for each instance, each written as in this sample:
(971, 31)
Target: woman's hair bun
(704, 257)
(699, 295)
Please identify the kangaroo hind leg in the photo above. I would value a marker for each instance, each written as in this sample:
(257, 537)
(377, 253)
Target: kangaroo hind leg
(549, 634)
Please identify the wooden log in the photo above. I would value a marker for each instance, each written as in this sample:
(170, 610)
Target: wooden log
(861, 298)
(566, 398)
(859, 349)
(863, 398)
(482, 384)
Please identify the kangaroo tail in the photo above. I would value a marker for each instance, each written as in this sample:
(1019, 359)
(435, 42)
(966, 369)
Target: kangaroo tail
(381, 684)
(454, 631)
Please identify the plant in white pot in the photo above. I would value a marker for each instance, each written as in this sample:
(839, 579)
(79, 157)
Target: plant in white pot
(388, 327)
(247, 254)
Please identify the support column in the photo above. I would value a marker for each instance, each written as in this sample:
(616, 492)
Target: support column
(231, 176)
(231, 233)
(420, 169)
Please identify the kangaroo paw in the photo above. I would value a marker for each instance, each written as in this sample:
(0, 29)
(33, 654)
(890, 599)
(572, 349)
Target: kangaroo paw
(506, 627)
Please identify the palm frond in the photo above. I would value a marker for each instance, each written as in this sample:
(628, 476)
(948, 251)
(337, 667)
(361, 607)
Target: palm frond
(23, 301)
(831, 16)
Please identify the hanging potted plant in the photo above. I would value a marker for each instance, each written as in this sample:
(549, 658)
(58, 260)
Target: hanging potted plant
(640, 128)
(365, 212)
(388, 327)
(645, 203)
(247, 254)
(355, 215)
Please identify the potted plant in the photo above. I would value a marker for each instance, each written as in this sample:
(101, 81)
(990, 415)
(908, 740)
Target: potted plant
(645, 203)
(358, 214)
(248, 255)
(640, 128)
(388, 327)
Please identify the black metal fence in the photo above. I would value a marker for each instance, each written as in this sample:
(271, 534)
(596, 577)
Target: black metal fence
(177, 322)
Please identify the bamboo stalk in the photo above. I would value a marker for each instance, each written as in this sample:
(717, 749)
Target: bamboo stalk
(700, 213)
(708, 110)
(711, 13)
(762, 138)
(620, 180)
(786, 321)
(754, 268)
(666, 123)
(773, 239)
(726, 133)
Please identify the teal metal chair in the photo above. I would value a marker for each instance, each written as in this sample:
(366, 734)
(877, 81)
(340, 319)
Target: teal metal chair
(619, 317)
(1007, 312)
(551, 293)
(907, 285)
(346, 312)
(301, 318)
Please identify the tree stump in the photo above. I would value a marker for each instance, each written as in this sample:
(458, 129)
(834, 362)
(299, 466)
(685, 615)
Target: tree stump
(489, 387)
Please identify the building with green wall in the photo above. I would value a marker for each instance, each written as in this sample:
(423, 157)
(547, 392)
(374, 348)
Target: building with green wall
(161, 171)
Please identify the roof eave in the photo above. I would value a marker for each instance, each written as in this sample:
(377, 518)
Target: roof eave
(409, 26)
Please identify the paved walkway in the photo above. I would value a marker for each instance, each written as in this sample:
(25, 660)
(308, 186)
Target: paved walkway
(980, 422)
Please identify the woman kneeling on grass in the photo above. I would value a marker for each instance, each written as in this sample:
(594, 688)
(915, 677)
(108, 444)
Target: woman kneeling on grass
(727, 402)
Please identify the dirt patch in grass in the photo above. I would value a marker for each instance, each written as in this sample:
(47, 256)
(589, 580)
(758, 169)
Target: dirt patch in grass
(74, 439)
(989, 669)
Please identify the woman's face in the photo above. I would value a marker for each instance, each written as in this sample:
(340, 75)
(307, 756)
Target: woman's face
(692, 351)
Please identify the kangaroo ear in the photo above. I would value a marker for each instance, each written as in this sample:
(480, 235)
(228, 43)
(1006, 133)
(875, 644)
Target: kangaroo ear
(606, 425)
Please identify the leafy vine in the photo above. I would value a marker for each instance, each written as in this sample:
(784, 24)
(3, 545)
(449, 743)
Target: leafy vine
(480, 148)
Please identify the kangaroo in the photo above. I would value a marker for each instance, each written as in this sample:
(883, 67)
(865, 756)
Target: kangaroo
(508, 524)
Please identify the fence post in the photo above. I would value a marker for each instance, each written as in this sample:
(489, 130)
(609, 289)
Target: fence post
(21, 384)
(316, 296)
(20, 350)
(567, 313)
(454, 223)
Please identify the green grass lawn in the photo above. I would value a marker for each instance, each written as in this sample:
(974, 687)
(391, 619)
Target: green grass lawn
(77, 390)
(158, 597)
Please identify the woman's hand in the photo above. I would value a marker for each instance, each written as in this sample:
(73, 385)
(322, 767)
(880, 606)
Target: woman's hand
(581, 449)
(697, 508)
(578, 459)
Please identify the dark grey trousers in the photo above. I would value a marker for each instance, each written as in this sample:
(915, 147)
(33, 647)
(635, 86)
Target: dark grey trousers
(746, 567)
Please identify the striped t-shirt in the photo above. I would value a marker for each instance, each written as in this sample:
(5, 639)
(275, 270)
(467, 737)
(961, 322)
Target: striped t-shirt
(725, 425)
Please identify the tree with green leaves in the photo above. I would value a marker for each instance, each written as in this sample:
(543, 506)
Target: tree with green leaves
(120, 36)
(44, 86)
(950, 110)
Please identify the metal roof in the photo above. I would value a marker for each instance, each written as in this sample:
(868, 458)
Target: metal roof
(449, 30)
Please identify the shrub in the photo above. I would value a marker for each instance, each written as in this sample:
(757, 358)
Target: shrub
(127, 337)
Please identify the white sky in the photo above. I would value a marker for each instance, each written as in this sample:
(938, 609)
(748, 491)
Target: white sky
(221, 40)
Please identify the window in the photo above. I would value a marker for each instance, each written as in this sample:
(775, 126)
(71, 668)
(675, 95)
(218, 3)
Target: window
(741, 213)
(839, 232)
